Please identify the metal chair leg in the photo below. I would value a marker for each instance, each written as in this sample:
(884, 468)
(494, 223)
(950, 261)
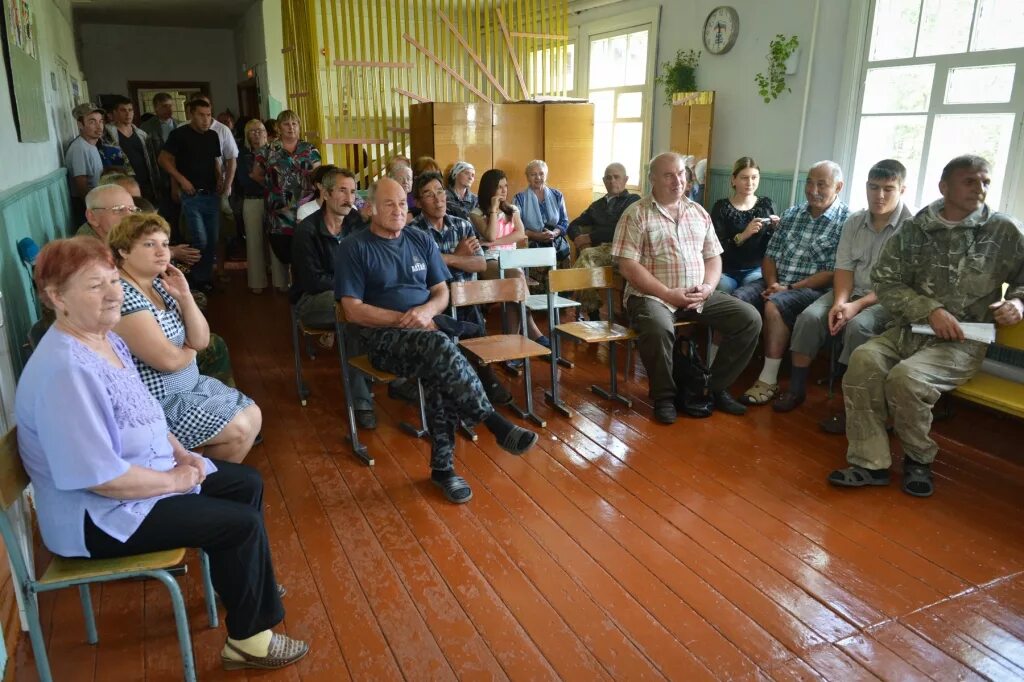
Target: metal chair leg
(87, 613)
(300, 381)
(181, 621)
(528, 413)
(468, 432)
(358, 448)
(35, 633)
(612, 394)
(422, 431)
(211, 600)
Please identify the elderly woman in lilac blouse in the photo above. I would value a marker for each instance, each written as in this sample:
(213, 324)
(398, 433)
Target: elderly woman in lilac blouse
(109, 478)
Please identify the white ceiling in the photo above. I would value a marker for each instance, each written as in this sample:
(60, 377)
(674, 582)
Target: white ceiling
(195, 13)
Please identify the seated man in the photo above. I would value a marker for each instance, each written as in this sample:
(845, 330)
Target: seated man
(392, 282)
(667, 249)
(315, 245)
(594, 248)
(797, 269)
(945, 266)
(461, 252)
(851, 304)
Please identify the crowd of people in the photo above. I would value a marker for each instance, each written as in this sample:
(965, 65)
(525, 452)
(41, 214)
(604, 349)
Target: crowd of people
(114, 454)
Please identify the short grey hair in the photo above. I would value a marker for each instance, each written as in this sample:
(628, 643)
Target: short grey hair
(650, 166)
(615, 165)
(833, 168)
(537, 162)
(95, 196)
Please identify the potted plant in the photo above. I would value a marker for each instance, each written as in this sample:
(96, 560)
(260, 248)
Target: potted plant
(771, 84)
(679, 75)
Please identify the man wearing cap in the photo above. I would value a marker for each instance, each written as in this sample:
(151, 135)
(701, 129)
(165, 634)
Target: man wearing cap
(82, 157)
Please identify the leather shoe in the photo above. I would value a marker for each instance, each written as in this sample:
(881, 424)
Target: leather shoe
(665, 411)
(726, 403)
(407, 391)
(366, 419)
(787, 402)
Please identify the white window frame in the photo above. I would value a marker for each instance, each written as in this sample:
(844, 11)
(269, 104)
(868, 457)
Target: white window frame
(858, 43)
(648, 19)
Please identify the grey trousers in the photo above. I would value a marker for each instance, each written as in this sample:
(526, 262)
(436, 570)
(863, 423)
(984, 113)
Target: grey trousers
(738, 323)
(901, 375)
(811, 329)
(317, 311)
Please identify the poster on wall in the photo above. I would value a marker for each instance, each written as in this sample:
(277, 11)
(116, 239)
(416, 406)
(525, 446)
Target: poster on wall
(24, 73)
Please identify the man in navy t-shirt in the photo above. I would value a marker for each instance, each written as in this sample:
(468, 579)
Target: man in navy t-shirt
(392, 282)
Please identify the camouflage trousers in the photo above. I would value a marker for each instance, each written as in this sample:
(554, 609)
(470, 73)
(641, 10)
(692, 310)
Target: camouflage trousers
(901, 375)
(214, 361)
(593, 257)
(451, 389)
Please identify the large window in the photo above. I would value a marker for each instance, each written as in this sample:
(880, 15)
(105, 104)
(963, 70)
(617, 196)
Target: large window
(939, 81)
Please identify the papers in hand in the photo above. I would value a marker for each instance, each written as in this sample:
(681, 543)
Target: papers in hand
(983, 332)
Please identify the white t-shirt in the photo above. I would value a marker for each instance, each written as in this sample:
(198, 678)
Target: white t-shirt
(305, 210)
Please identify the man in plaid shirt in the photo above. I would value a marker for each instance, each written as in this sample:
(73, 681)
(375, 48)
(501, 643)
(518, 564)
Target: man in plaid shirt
(667, 250)
(797, 269)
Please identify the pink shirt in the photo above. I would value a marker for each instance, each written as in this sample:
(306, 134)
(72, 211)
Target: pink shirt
(506, 226)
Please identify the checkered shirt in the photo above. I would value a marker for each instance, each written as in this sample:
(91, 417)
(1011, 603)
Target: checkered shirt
(803, 245)
(674, 252)
(453, 231)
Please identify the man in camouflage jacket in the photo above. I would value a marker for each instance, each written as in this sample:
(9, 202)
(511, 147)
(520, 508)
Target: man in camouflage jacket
(945, 266)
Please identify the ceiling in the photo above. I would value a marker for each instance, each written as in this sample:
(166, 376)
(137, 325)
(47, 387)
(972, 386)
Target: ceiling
(192, 13)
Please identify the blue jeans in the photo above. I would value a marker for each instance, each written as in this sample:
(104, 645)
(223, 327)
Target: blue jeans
(202, 214)
(737, 278)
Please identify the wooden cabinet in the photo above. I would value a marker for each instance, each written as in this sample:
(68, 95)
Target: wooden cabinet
(508, 136)
(693, 118)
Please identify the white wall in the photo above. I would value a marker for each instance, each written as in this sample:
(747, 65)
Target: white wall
(258, 43)
(112, 55)
(276, 92)
(24, 162)
(744, 124)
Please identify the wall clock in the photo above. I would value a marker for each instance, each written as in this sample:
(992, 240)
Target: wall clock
(721, 29)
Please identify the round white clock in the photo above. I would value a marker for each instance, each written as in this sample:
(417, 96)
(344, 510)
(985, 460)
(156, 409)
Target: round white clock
(721, 29)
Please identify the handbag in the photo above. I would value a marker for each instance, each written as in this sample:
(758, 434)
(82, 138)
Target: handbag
(693, 380)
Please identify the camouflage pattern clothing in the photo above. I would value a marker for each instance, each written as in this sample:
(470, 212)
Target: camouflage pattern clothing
(451, 389)
(593, 257)
(214, 361)
(929, 264)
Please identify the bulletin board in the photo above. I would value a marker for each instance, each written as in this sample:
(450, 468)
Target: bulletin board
(24, 72)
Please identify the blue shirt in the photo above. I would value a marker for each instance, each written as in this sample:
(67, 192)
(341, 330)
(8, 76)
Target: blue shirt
(83, 158)
(81, 423)
(453, 231)
(804, 245)
(395, 274)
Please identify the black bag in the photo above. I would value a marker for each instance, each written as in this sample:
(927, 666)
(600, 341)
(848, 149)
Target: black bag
(693, 380)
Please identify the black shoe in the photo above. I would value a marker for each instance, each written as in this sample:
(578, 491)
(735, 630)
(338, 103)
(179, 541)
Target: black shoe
(665, 411)
(407, 391)
(366, 419)
(788, 401)
(497, 393)
(726, 403)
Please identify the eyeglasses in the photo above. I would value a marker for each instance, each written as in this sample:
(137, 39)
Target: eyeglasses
(437, 194)
(118, 210)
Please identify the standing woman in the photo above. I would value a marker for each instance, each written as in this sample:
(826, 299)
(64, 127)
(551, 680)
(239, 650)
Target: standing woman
(252, 193)
(164, 328)
(284, 167)
(460, 183)
(744, 223)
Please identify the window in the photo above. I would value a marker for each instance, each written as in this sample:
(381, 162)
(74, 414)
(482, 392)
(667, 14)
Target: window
(940, 81)
(552, 73)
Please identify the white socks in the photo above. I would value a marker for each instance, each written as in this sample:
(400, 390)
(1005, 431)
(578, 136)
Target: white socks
(770, 373)
(712, 352)
(258, 645)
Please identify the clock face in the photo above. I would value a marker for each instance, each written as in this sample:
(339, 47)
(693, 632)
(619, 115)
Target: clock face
(720, 30)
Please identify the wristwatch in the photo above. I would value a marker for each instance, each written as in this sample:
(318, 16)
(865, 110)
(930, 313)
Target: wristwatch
(737, 240)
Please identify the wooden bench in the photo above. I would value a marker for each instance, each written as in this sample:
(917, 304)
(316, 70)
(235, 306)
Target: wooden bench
(994, 391)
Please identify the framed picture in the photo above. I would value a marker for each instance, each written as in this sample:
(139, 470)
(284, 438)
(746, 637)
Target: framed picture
(24, 73)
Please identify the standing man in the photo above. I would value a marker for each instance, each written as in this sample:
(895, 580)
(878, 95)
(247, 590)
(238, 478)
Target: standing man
(797, 269)
(391, 281)
(594, 248)
(159, 129)
(667, 249)
(945, 266)
(850, 307)
(82, 157)
(134, 142)
(192, 157)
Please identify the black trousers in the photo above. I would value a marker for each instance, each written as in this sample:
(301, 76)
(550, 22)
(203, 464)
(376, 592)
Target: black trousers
(226, 520)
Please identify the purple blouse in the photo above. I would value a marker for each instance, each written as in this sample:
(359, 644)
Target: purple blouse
(82, 423)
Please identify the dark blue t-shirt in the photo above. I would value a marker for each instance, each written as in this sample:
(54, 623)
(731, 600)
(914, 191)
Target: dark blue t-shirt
(395, 274)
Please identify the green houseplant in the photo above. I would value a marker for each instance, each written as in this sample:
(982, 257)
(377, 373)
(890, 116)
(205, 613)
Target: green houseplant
(679, 75)
(771, 84)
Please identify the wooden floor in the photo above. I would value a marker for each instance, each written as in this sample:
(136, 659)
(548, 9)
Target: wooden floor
(616, 549)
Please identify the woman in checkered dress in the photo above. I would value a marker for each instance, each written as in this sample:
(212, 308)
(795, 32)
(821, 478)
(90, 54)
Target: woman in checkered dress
(164, 329)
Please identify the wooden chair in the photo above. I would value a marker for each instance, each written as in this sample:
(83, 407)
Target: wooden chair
(302, 332)
(16, 528)
(501, 347)
(996, 392)
(577, 279)
(525, 259)
(363, 364)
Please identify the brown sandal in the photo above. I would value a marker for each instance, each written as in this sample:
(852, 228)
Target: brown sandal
(283, 650)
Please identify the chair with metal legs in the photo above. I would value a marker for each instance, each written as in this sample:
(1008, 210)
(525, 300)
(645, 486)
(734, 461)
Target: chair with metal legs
(16, 527)
(363, 365)
(303, 332)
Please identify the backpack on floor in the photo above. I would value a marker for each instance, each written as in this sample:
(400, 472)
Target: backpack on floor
(693, 380)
